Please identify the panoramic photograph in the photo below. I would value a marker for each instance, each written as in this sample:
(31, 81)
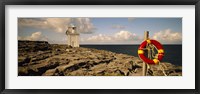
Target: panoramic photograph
(99, 46)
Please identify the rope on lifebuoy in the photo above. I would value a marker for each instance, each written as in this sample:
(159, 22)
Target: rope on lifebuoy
(143, 47)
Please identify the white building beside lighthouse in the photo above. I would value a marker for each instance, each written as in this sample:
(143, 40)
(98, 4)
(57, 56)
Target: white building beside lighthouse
(72, 36)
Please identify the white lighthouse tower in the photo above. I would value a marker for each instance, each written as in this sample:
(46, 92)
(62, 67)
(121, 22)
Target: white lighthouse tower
(72, 36)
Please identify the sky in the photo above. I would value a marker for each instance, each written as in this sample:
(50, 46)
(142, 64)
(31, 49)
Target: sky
(101, 30)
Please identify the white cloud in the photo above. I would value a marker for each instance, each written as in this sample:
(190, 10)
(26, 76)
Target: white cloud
(83, 25)
(36, 36)
(100, 38)
(168, 36)
(125, 35)
(58, 24)
(121, 36)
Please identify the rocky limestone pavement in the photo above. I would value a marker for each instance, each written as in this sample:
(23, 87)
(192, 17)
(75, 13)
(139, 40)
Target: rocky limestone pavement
(60, 60)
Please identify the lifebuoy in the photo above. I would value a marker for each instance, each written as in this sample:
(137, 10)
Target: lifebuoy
(157, 45)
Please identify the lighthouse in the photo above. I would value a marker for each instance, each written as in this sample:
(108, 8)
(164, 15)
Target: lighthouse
(72, 36)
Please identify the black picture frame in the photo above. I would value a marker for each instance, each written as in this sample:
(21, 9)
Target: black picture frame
(3, 3)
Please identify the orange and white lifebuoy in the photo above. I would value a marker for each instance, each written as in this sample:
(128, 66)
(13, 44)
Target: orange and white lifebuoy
(157, 45)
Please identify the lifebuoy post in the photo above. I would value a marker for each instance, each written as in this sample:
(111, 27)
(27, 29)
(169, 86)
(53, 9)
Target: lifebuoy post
(150, 45)
(144, 70)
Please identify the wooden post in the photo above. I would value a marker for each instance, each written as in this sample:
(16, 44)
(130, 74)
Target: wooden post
(144, 70)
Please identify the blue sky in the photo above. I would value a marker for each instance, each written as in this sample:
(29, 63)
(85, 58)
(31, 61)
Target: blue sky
(102, 30)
